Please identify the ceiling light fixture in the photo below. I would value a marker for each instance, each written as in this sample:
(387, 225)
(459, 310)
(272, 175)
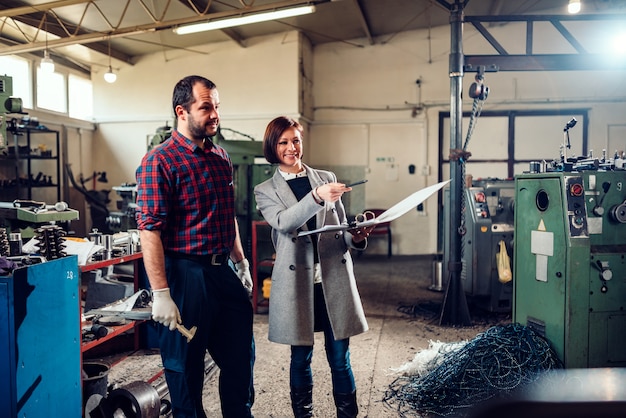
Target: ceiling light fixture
(46, 65)
(573, 6)
(110, 76)
(244, 20)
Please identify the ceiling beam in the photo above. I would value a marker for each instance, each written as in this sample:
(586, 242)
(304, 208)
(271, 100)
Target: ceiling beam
(85, 37)
(234, 36)
(363, 21)
(545, 18)
(503, 61)
(24, 10)
(544, 62)
(39, 13)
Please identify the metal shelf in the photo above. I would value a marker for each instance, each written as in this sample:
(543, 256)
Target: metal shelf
(114, 331)
(23, 189)
(112, 261)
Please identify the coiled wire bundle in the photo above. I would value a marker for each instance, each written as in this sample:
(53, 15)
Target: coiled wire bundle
(494, 363)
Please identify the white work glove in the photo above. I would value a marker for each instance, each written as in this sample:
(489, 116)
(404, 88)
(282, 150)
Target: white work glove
(164, 310)
(243, 272)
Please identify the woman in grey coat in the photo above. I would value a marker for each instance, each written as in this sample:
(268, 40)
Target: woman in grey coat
(313, 284)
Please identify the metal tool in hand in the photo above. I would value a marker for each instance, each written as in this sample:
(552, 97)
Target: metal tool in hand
(356, 183)
(367, 215)
(188, 333)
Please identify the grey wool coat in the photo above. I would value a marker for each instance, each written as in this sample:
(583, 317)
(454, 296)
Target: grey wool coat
(291, 317)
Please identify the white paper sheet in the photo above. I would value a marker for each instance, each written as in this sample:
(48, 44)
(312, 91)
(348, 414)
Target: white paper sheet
(389, 215)
(83, 249)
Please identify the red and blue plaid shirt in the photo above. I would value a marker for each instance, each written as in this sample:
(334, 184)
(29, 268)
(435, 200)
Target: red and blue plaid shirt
(187, 193)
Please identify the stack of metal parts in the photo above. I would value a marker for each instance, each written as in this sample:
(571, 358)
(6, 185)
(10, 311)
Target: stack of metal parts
(10, 243)
(583, 163)
(51, 241)
(11, 256)
(139, 399)
(4, 243)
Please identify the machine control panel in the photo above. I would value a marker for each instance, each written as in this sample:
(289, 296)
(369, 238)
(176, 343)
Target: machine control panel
(480, 204)
(576, 206)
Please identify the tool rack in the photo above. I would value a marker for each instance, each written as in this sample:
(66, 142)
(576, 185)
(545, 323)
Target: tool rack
(23, 161)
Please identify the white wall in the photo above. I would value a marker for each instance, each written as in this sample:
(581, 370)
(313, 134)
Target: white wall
(359, 96)
(358, 88)
(255, 84)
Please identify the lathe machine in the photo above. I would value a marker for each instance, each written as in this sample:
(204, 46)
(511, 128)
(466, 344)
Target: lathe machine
(488, 231)
(570, 259)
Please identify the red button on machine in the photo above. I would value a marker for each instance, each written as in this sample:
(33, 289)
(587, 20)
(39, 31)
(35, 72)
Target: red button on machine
(576, 189)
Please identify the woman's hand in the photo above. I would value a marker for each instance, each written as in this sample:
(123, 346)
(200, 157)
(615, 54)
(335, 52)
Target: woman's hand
(332, 192)
(361, 234)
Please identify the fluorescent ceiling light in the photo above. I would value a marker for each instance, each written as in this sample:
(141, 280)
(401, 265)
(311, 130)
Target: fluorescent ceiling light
(244, 20)
(573, 6)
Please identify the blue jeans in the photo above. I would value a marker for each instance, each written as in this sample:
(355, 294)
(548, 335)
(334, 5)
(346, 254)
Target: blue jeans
(337, 354)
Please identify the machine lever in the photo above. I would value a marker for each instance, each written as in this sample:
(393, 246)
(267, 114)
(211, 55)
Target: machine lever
(605, 187)
(598, 210)
(605, 270)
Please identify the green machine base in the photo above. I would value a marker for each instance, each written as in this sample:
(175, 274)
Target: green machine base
(570, 263)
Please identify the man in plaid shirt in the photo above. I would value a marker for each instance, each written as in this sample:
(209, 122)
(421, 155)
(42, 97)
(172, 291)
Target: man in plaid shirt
(188, 232)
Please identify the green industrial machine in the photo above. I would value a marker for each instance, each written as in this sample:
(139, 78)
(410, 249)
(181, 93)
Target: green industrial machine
(249, 169)
(488, 217)
(8, 104)
(570, 260)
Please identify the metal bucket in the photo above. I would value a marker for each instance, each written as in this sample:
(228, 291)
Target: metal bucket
(436, 284)
(95, 379)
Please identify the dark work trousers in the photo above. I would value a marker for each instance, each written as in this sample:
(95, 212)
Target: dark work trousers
(337, 354)
(213, 299)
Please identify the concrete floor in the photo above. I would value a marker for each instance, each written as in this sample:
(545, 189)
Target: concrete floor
(403, 316)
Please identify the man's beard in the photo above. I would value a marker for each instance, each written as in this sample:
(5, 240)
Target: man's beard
(198, 131)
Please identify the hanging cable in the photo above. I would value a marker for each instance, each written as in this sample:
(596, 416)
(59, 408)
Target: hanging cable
(479, 92)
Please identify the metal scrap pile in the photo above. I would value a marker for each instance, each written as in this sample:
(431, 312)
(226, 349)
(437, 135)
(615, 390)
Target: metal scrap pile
(495, 363)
